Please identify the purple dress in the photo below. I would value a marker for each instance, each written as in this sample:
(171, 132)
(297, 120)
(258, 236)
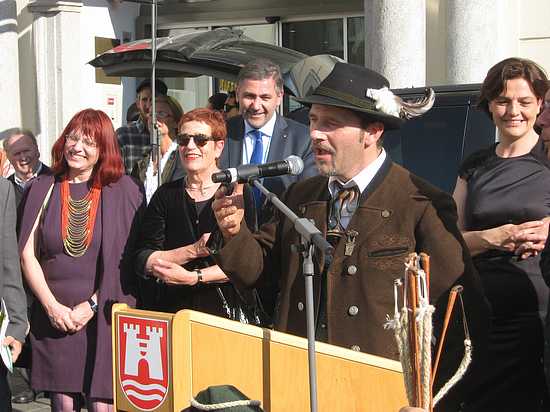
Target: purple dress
(60, 360)
(82, 362)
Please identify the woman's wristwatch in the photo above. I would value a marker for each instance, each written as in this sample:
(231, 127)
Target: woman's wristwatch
(93, 305)
(199, 276)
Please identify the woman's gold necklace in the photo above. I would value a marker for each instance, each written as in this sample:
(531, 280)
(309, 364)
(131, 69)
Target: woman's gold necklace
(78, 219)
(201, 189)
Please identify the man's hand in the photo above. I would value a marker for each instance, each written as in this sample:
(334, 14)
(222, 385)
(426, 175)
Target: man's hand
(229, 210)
(15, 346)
(173, 274)
(81, 315)
(411, 409)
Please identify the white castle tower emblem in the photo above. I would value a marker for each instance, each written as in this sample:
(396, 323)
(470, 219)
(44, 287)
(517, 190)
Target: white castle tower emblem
(147, 349)
(143, 360)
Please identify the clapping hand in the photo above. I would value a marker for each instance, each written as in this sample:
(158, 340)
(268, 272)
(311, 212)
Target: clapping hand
(199, 247)
(173, 274)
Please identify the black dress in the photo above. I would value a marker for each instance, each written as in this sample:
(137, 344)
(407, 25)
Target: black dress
(500, 191)
(172, 220)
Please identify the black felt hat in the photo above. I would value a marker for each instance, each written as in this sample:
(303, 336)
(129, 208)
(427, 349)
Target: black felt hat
(327, 80)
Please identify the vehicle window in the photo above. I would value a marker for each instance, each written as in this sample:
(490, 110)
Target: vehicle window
(432, 145)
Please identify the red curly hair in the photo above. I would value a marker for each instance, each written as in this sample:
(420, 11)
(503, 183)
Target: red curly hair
(96, 124)
(212, 118)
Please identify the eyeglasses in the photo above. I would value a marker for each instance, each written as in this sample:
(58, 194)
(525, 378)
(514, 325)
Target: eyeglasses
(228, 107)
(199, 139)
(86, 141)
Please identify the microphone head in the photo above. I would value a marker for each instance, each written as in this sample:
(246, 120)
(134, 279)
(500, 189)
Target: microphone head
(295, 164)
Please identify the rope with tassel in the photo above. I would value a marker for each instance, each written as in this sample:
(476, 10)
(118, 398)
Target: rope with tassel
(413, 330)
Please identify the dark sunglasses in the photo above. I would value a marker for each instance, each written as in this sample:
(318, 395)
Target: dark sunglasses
(199, 139)
(228, 107)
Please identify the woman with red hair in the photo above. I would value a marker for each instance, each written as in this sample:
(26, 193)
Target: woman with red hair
(171, 250)
(75, 227)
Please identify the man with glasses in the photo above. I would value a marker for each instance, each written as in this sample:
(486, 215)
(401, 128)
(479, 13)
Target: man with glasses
(134, 139)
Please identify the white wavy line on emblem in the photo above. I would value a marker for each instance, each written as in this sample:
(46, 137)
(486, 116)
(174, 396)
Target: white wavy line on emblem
(144, 397)
(150, 387)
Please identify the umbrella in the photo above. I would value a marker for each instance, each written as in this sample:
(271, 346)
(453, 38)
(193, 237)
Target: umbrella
(220, 53)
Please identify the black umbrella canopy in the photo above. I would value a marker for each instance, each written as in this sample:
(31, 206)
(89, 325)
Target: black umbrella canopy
(220, 53)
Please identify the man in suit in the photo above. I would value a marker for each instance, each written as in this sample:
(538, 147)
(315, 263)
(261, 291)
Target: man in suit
(374, 212)
(22, 152)
(11, 287)
(260, 134)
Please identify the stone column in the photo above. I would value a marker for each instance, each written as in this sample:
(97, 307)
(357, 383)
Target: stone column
(472, 40)
(56, 37)
(395, 43)
(9, 67)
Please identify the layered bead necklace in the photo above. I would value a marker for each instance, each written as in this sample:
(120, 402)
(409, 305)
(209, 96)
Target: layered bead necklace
(78, 219)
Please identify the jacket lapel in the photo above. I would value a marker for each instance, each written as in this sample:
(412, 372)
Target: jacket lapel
(370, 214)
(278, 140)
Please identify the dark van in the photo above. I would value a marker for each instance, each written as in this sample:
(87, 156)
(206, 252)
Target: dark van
(434, 145)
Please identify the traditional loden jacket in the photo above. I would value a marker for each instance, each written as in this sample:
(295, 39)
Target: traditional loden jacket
(398, 213)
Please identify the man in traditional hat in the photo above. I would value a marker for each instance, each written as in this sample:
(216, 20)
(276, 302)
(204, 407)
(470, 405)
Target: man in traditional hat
(374, 212)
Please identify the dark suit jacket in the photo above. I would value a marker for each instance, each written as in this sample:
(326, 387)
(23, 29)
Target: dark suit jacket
(18, 190)
(11, 286)
(398, 213)
(289, 138)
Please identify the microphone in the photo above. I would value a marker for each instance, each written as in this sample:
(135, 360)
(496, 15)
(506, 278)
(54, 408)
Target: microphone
(292, 165)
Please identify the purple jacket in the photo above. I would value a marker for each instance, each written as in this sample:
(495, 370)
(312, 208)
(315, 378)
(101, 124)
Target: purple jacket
(121, 205)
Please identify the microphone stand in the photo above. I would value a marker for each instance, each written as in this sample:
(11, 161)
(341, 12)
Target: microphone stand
(311, 237)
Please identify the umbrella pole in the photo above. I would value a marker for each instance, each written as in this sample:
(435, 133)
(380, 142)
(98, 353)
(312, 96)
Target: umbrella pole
(154, 132)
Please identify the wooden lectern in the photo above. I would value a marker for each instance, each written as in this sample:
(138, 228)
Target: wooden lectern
(161, 360)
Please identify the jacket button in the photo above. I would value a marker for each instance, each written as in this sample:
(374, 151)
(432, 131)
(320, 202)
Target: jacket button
(300, 306)
(352, 270)
(353, 310)
(386, 213)
(356, 348)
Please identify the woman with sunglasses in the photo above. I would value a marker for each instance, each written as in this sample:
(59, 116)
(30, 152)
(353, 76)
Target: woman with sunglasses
(75, 227)
(178, 221)
(169, 113)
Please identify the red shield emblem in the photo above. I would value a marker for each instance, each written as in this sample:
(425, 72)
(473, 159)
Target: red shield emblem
(143, 360)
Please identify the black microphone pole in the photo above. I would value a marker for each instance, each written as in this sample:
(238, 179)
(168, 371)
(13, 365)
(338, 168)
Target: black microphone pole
(311, 237)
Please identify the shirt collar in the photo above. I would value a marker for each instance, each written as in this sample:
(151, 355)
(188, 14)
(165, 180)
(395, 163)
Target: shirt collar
(22, 183)
(361, 179)
(266, 129)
